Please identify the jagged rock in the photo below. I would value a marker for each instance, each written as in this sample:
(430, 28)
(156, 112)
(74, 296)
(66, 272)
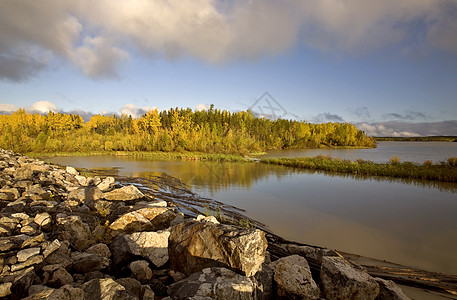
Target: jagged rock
(88, 193)
(263, 280)
(147, 293)
(61, 255)
(86, 262)
(197, 245)
(105, 289)
(25, 254)
(100, 250)
(44, 220)
(150, 245)
(388, 290)
(145, 219)
(132, 285)
(106, 184)
(67, 292)
(216, 283)
(22, 281)
(34, 260)
(341, 280)
(76, 231)
(9, 194)
(310, 253)
(5, 289)
(60, 277)
(125, 193)
(211, 219)
(20, 241)
(7, 225)
(55, 245)
(71, 171)
(292, 276)
(140, 270)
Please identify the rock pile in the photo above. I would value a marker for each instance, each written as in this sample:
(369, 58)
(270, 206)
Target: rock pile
(66, 236)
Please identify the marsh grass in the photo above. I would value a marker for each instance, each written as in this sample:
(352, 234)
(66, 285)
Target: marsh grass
(445, 171)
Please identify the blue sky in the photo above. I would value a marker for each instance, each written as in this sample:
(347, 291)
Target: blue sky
(390, 67)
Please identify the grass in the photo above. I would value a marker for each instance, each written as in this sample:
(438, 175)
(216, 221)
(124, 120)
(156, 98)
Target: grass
(445, 171)
(156, 155)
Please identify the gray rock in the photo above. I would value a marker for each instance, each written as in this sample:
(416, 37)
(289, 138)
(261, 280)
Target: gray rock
(67, 292)
(100, 250)
(388, 290)
(106, 289)
(76, 231)
(126, 193)
(132, 285)
(22, 282)
(308, 252)
(215, 283)
(342, 280)
(140, 270)
(25, 254)
(86, 262)
(145, 219)
(83, 194)
(194, 246)
(147, 293)
(44, 220)
(106, 184)
(263, 280)
(60, 277)
(5, 289)
(293, 279)
(60, 256)
(71, 171)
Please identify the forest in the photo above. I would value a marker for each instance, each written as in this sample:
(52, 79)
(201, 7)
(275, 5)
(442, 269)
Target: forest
(210, 131)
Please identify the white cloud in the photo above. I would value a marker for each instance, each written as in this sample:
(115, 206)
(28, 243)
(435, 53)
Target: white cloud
(201, 107)
(407, 129)
(98, 36)
(134, 111)
(8, 108)
(42, 107)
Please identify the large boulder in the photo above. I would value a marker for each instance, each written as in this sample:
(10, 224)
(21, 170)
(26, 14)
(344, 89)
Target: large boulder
(292, 276)
(342, 280)
(125, 193)
(194, 246)
(72, 228)
(106, 289)
(144, 219)
(389, 290)
(213, 283)
(150, 245)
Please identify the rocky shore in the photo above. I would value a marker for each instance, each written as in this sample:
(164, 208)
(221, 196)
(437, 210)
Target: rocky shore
(66, 236)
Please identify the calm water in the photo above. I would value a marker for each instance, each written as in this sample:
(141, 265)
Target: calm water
(407, 151)
(409, 223)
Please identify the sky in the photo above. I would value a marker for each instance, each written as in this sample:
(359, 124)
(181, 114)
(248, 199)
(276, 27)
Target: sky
(390, 66)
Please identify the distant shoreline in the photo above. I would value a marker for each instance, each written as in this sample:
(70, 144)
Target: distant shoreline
(417, 139)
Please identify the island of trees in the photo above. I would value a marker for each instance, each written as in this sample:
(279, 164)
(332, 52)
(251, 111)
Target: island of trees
(210, 131)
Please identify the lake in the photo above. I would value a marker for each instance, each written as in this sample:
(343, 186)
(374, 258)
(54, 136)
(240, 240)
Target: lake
(412, 223)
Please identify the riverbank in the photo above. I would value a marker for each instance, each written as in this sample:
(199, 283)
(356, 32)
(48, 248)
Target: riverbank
(445, 171)
(66, 235)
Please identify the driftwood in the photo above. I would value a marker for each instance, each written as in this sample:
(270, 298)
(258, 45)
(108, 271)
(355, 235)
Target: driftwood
(176, 193)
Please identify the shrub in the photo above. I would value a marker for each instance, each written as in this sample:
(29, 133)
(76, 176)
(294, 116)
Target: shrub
(395, 160)
(452, 161)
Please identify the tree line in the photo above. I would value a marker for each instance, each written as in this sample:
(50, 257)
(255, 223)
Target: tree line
(212, 131)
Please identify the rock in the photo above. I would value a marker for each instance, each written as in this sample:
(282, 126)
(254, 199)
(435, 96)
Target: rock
(310, 253)
(34, 260)
(145, 219)
(43, 220)
(55, 245)
(215, 283)
(292, 276)
(60, 256)
(39, 292)
(150, 245)
(86, 262)
(5, 289)
(106, 289)
(83, 194)
(76, 231)
(341, 280)
(140, 270)
(25, 254)
(211, 219)
(106, 184)
(388, 290)
(22, 282)
(147, 293)
(71, 171)
(67, 292)
(194, 246)
(100, 250)
(126, 193)
(9, 194)
(263, 280)
(60, 277)
(132, 285)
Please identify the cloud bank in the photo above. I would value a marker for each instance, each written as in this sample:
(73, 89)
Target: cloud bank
(406, 129)
(98, 37)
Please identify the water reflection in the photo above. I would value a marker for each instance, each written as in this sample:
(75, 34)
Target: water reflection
(406, 221)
